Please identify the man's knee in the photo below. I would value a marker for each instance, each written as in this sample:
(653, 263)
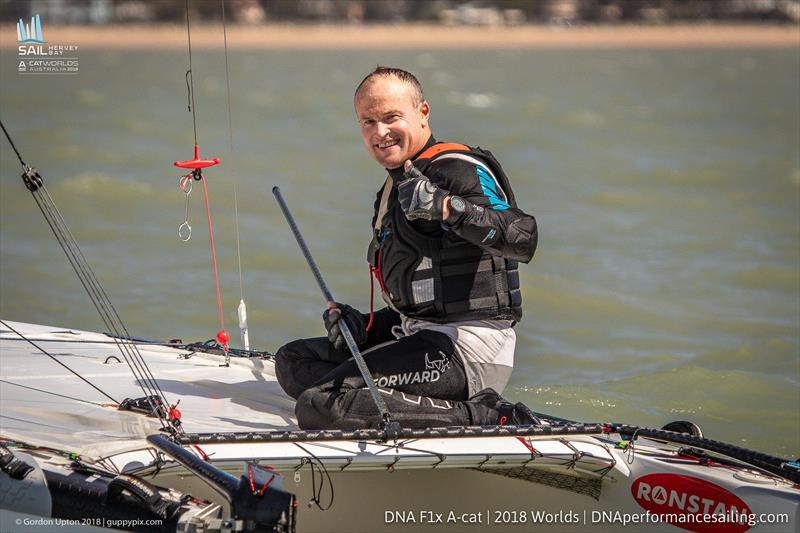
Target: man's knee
(286, 358)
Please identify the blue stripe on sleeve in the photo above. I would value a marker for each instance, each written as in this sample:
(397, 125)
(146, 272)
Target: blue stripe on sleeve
(490, 190)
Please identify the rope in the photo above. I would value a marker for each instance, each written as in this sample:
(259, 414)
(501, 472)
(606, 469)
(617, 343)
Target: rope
(316, 492)
(209, 346)
(12, 145)
(214, 258)
(88, 279)
(197, 165)
(235, 180)
(51, 356)
(267, 483)
(98, 296)
(227, 75)
(51, 393)
(383, 435)
(190, 76)
(238, 247)
(769, 463)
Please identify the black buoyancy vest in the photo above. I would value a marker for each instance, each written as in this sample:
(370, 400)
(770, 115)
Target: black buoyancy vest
(446, 278)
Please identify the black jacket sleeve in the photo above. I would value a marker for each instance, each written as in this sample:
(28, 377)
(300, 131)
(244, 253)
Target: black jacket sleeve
(489, 220)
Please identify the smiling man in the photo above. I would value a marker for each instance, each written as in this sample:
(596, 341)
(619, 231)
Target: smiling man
(447, 239)
(393, 116)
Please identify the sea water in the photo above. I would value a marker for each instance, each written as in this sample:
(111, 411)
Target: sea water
(666, 185)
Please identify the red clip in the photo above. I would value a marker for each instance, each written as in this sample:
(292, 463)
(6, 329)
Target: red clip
(197, 163)
(174, 413)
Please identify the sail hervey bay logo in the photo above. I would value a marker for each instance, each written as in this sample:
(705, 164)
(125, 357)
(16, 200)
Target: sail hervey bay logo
(30, 33)
(36, 56)
(674, 497)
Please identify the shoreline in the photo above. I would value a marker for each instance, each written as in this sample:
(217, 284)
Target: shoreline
(417, 36)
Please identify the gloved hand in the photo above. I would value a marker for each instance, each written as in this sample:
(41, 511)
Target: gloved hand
(418, 197)
(356, 323)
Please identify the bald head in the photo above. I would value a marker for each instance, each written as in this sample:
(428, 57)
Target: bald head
(414, 86)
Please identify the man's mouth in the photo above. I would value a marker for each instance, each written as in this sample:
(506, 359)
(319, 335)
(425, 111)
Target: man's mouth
(387, 144)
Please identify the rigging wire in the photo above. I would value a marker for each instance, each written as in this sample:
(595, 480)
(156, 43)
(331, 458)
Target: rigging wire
(190, 75)
(24, 166)
(196, 165)
(51, 356)
(209, 346)
(227, 74)
(88, 279)
(50, 393)
(98, 296)
(242, 309)
(238, 247)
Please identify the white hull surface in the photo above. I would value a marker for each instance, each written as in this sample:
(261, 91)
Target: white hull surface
(506, 482)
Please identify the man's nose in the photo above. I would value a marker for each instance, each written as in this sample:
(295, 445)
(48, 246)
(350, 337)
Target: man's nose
(382, 129)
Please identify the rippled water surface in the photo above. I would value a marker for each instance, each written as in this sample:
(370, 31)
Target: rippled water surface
(666, 185)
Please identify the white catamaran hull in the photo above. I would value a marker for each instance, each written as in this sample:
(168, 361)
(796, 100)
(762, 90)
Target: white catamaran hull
(505, 482)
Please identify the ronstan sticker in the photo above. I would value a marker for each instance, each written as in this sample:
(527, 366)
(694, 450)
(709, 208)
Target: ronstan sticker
(716, 509)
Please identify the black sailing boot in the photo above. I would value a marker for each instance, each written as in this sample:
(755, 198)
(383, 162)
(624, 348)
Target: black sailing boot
(500, 412)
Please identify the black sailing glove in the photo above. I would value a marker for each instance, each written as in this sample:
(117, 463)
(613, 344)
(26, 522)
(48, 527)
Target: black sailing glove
(356, 323)
(418, 197)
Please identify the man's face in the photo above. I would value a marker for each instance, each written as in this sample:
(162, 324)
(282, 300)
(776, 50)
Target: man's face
(393, 127)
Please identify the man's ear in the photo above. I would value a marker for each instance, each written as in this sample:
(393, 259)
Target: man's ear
(425, 112)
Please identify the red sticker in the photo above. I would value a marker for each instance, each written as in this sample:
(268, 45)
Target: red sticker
(692, 503)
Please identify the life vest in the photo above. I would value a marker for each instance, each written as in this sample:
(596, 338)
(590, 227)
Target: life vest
(446, 278)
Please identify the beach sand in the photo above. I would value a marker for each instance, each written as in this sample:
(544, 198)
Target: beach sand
(416, 36)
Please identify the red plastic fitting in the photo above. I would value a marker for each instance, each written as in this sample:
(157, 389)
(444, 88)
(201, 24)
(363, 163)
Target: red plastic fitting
(197, 163)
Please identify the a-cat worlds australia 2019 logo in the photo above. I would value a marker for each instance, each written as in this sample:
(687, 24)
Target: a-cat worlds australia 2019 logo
(36, 56)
